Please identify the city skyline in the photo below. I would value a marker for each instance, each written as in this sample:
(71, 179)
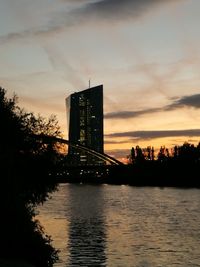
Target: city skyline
(146, 53)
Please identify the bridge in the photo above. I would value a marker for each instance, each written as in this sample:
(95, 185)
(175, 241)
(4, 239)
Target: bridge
(102, 156)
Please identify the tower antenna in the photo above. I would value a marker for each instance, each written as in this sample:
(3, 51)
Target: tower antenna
(89, 83)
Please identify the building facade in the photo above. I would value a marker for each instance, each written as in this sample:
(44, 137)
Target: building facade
(85, 124)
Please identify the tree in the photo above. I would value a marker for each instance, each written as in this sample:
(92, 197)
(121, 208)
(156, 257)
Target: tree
(132, 156)
(139, 155)
(28, 169)
(163, 154)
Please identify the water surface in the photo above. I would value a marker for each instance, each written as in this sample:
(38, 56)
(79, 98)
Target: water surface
(108, 225)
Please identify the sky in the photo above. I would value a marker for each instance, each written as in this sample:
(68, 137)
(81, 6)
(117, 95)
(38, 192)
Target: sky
(146, 53)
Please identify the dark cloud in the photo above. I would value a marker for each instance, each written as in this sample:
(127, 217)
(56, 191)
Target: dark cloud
(106, 9)
(187, 101)
(130, 114)
(89, 11)
(156, 134)
(113, 142)
(192, 101)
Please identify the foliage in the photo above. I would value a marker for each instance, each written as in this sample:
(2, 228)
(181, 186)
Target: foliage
(28, 169)
(184, 153)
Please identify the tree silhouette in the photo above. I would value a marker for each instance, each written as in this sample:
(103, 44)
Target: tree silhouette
(139, 155)
(28, 169)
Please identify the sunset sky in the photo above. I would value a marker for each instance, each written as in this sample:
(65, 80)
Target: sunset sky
(146, 53)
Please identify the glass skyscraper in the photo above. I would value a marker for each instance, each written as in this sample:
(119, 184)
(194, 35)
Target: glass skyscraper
(85, 124)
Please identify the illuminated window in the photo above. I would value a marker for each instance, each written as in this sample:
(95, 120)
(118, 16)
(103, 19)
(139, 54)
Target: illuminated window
(82, 102)
(82, 135)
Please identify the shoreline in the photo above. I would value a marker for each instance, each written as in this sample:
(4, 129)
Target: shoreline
(14, 263)
(154, 174)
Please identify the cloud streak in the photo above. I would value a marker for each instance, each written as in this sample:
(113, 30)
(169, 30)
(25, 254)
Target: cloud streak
(192, 101)
(117, 9)
(186, 101)
(141, 135)
(130, 114)
(87, 12)
(114, 142)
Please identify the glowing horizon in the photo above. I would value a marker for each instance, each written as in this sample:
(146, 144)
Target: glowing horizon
(145, 53)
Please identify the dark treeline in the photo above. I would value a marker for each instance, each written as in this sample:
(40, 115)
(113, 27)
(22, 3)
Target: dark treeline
(27, 171)
(186, 152)
(179, 167)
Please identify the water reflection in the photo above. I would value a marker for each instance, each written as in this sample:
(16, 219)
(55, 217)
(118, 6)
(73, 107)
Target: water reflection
(87, 235)
(124, 226)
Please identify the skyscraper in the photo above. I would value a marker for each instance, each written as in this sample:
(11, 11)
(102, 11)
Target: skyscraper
(85, 123)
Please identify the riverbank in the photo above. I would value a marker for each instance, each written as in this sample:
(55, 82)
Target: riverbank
(160, 174)
(14, 263)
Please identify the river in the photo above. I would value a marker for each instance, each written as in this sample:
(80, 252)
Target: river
(109, 225)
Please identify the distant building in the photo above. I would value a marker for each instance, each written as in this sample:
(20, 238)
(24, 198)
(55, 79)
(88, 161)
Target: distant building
(85, 124)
